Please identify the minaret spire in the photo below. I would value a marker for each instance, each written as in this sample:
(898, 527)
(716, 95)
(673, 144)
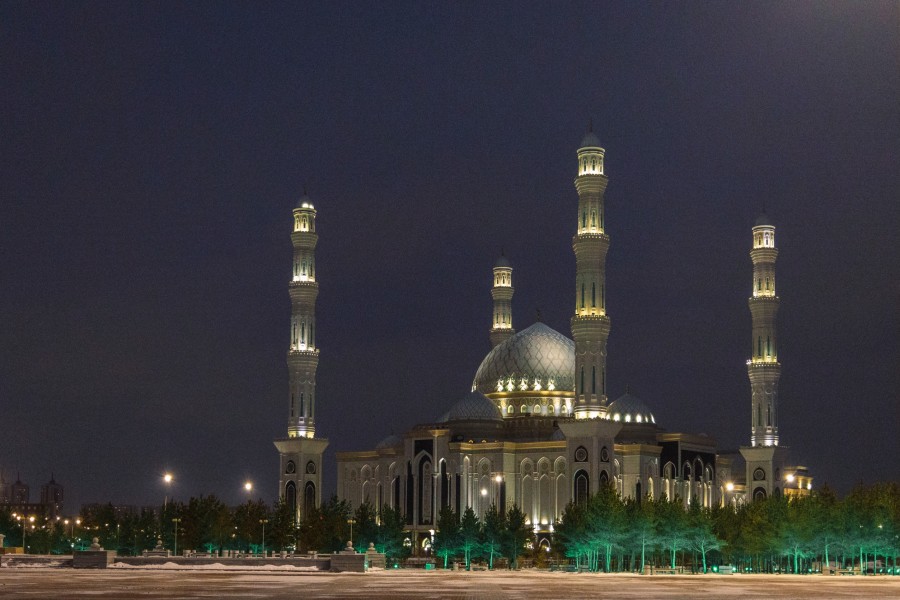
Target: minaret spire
(590, 324)
(502, 293)
(763, 367)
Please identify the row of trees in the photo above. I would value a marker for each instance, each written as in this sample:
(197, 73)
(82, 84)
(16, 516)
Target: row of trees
(467, 537)
(605, 533)
(778, 534)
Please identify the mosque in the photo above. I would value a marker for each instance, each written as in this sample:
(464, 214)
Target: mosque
(537, 428)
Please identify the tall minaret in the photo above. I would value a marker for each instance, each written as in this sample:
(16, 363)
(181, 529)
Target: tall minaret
(502, 293)
(590, 325)
(303, 357)
(763, 366)
(300, 476)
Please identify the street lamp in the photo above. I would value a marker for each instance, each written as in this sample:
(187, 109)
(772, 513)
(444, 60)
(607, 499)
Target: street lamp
(264, 521)
(351, 522)
(176, 521)
(248, 486)
(167, 478)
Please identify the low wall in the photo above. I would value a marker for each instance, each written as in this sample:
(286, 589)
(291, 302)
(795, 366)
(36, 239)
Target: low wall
(321, 563)
(35, 560)
(93, 559)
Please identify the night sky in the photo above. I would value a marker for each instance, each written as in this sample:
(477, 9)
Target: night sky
(151, 154)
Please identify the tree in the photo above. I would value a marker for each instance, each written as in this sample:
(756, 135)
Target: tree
(516, 535)
(283, 526)
(389, 536)
(469, 534)
(492, 533)
(364, 527)
(325, 528)
(642, 523)
(447, 540)
(700, 535)
(248, 525)
(673, 534)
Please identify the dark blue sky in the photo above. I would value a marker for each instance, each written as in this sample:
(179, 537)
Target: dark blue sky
(151, 154)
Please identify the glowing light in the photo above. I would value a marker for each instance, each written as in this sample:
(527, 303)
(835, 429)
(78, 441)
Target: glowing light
(498, 478)
(248, 486)
(790, 477)
(167, 478)
(551, 385)
(729, 487)
(483, 492)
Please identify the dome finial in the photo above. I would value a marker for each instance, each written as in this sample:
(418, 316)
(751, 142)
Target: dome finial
(591, 125)
(540, 317)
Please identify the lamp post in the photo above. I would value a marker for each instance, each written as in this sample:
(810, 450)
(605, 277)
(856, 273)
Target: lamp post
(264, 521)
(351, 522)
(176, 521)
(167, 479)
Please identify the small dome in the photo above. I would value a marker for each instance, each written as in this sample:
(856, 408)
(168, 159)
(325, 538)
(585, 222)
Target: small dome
(304, 202)
(502, 262)
(629, 409)
(590, 140)
(473, 407)
(558, 436)
(536, 356)
(389, 442)
(763, 220)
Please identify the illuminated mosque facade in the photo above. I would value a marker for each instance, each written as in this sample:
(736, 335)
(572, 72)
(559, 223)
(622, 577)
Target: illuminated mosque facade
(537, 428)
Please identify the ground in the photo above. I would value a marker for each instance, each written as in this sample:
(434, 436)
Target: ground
(407, 584)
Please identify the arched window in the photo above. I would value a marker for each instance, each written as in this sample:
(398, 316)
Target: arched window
(582, 380)
(769, 415)
(509, 409)
(593, 218)
(301, 404)
(768, 346)
(583, 219)
(593, 294)
(523, 409)
(537, 409)
(759, 346)
(302, 332)
(593, 380)
(758, 415)
(582, 487)
(309, 498)
(290, 497)
(759, 285)
(582, 295)
(767, 283)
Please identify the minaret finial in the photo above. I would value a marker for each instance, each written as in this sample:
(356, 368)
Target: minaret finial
(591, 125)
(540, 317)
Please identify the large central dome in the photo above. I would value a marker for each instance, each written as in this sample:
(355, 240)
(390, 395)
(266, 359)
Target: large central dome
(537, 358)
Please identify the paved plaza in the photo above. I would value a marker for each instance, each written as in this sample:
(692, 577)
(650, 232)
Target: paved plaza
(402, 585)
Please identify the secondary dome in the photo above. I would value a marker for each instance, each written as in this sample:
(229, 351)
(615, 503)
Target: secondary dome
(763, 221)
(590, 140)
(389, 442)
(629, 409)
(536, 358)
(473, 407)
(502, 262)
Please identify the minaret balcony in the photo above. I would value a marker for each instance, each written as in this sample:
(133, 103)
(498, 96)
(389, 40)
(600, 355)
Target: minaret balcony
(300, 283)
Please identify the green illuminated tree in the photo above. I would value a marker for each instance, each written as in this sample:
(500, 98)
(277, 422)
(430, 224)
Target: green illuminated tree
(492, 533)
(516, 535)
(447, 539)
(389, 537)
(469, 534)
(365, 528)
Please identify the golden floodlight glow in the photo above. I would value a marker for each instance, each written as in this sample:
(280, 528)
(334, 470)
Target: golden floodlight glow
(167, 478)
(248, 486)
